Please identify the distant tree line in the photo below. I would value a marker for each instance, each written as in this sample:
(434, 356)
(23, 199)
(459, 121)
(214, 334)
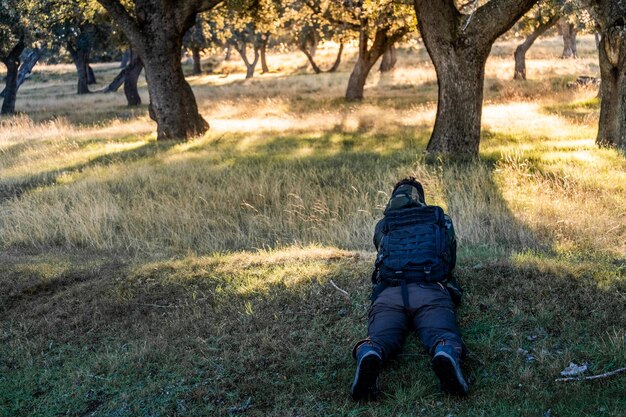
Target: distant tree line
(458, 36)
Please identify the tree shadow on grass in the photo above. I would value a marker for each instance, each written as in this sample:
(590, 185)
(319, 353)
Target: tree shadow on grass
(217, 330)
(12, 188)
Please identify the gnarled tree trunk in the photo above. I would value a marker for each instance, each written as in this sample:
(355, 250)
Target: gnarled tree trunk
(12, 62)
(459, 46)
(389, 60)
(367, 57)
(156, 29)
(172, 103)
(612, 124)
(520, 51)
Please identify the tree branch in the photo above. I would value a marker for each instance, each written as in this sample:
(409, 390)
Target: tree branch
(496, 17)
(123, 18)
(592, 377)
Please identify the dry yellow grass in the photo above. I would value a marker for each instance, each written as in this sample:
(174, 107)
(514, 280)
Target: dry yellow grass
(288, 162)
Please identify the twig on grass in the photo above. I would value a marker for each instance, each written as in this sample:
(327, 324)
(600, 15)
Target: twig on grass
(156, 305)
(344, 292)
(592, 377)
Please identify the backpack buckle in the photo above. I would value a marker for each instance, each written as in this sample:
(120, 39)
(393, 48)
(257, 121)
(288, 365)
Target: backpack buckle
(427, 270)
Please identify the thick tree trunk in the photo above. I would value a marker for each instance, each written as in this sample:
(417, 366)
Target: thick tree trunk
(612, 123)
(358, 76)
(133, 70)
(459, 48)
(156, 29)
(389, 59)
(263, 50)
(12, 62)
(172, 103)
(460, 75)
(197, 63)
(520, 51)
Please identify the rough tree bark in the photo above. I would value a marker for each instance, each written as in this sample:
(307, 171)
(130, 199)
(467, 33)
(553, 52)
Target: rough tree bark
(611, 17)
(197, 63)
(12, 62)
(459, 46)
(520, 51)
(367, 57)
(156, 29)
(568, 31)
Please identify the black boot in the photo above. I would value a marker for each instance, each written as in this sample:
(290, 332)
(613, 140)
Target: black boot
(368, 365)
(446, 366)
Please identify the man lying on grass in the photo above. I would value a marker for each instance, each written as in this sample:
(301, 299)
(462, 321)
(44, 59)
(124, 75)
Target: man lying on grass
(414, 289)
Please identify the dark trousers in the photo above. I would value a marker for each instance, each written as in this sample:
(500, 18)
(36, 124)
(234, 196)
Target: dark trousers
(430, 314)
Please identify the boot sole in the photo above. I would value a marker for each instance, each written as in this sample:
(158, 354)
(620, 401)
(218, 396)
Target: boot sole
(365, 381)
(449, 374)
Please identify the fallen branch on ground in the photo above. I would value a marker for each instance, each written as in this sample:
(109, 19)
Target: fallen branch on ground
(344, 292)
(592, 377)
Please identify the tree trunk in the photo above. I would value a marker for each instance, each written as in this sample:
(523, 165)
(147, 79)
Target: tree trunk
(26, 68)
(337, 62)
(133, 70)
(460, 75)
(172, 103)
(596, 36)
(612, 123)
(197, 63)
(12, 62)
(156, 29)
(263, 50)
(81, 61)
(368, 57)
(520, 51)
(229, 53)
(356, 83)
(250, 66)
(568, 32)
(458, 48)
(125, 58)
(91, 76)
(389, 59)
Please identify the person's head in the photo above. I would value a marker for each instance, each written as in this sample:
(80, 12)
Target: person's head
(407, 192)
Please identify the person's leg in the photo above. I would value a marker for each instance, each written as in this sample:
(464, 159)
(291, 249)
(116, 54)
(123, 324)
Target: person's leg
(387, 329)
(435, 323)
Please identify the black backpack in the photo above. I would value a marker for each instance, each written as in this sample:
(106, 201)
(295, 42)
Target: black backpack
(414, 246)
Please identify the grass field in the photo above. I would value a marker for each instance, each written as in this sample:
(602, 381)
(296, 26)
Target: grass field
(194, 279)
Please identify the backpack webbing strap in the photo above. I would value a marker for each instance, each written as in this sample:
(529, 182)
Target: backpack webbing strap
(405, 293)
